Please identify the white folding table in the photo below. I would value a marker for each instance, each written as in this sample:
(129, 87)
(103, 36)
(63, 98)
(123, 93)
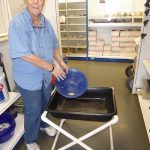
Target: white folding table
(60, 107)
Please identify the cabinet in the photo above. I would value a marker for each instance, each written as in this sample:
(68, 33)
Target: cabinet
(72, 16)
(19, 130)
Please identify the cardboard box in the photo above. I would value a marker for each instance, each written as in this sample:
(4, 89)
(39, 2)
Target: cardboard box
(127, 39)
(115, 48)
(127, 44)
(92, 48)
(116, 53)
(115, 44)
(107, 53)
(92, 43)
(135, 33)
(92, 38)
(115, 33)
(100, 43)
(107, 47)
(92, 33)
(95, 53)
(115, 39)
(129, 54)
(99, 48)
(127, 49)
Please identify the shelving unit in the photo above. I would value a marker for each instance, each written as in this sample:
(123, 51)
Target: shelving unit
(73, 27)
(13, 96)
(145, 108)
(19, 130)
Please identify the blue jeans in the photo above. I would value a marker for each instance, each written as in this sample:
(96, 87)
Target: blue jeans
(35, 103)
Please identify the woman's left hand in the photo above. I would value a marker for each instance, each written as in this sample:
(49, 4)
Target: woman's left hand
(64, 67)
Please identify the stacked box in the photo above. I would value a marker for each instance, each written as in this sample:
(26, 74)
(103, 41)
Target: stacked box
(127, 49)
(92, 48)
(115, 33)
(100, 42)
(115, 48)
(96, 46)
(123, 39)
(95, 53)
(115, 44)
(122, 43)
(134, 33)
(127, 44)
(107, 53)
(92, 34)
(92, 43)
(107, 47)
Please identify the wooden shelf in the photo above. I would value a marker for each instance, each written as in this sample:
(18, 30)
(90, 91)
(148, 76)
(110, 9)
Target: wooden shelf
(115, 25)
(19, 131)
(13, 96)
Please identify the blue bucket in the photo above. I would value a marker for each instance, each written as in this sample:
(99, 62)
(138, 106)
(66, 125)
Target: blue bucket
(8, 132)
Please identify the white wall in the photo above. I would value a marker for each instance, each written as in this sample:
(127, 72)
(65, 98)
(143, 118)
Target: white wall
(50, 13)
(114, 6)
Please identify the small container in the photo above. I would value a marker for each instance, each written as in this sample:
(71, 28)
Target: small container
(3, 86)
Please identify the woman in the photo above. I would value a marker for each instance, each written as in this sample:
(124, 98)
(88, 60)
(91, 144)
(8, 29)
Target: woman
(32, 47)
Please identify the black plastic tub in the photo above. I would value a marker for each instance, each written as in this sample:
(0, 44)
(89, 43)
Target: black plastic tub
(97, 104)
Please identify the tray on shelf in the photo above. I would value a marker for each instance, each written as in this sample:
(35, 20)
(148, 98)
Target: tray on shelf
(96, 104)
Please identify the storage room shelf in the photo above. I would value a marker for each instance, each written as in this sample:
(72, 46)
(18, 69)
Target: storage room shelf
(73, 30)
(13, 96)
(147, 65)
(145, 108)
(115, 25)
(19, 131)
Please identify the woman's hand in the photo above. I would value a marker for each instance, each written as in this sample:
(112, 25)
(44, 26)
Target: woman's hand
(64, 67)
(59, 73)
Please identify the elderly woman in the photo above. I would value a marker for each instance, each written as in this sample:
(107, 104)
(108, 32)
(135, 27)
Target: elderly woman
(33, 46)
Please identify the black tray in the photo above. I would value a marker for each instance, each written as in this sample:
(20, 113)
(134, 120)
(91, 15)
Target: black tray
(97, 104)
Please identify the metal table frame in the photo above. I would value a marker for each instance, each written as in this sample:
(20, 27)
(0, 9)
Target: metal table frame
(75, 140)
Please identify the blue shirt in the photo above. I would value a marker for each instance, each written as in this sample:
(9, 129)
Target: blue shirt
(26, 39)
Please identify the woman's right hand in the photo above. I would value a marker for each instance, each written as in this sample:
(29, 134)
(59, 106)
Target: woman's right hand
(59, 73)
